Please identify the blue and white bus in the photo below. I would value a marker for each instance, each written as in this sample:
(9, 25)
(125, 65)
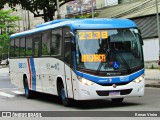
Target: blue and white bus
(79, 59)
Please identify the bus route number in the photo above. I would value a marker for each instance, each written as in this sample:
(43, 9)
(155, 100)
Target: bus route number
(93, 58)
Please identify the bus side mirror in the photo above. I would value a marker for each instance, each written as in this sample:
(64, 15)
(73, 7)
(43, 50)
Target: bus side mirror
(73, 46)
(141, 40)
(159, 62)
(72, 34)
(140, 37)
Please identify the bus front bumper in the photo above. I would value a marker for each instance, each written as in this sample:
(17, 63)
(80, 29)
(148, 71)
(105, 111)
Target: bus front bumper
(95, 91)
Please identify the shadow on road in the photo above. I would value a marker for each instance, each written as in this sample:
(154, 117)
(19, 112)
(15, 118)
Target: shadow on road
(82, 105)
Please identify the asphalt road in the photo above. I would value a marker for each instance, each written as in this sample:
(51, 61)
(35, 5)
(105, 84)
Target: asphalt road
(13, 99)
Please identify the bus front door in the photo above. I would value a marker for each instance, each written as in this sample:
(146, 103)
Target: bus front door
(67, 65)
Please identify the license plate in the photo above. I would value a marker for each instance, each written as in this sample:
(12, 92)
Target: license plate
(114, 93)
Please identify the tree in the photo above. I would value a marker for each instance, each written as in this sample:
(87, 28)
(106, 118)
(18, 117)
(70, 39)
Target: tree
(40, 8)
(7, 27)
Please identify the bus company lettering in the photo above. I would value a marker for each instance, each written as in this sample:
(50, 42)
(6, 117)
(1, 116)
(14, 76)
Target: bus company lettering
(117, 73)
(126, 78)
(106, 80)
(93, 58)
(56, 66)
(49, 66)
(22, 65)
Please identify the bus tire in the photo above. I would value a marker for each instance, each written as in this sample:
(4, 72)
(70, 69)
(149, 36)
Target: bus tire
(117, 100)
(65, 100)
(28, 93)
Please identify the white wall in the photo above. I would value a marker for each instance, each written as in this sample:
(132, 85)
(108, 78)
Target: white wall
(100, 4)
(151, 49)
(111, 2)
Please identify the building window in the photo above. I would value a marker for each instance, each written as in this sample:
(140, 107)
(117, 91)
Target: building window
(46, 40)
(28, 46)
(56, 42)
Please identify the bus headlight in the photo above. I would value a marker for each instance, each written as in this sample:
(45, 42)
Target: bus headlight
(139, 79)
(85, 81)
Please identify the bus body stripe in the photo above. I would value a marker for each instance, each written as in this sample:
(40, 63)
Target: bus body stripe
(111, 79)
(33, 74)
(30, 74)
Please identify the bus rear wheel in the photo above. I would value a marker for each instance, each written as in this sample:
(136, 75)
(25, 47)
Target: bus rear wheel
(65, 100)
(117, 100)
(28, 93)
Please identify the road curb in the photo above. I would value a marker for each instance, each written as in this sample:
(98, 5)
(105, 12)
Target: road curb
(152, 79)
(153, 85)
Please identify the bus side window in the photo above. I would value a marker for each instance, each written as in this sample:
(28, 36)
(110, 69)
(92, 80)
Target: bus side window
(56, 42)
(22, 47)
(29, 46)
(17, 47)
(67, 50)
(46, 40)
(67, 45)
(12, 48)
(36, 44)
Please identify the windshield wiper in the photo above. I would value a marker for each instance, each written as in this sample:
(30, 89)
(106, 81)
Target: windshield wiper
(99, 67)
(121, 56)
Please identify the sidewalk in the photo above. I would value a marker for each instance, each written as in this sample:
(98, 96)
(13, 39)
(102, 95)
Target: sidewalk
(152, 76)
(4, 71)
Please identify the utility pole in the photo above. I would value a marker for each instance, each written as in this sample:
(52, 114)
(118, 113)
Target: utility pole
(92, 9)
(58, 10)
(29, 27)
(158, 26)
(23, 21)
(25, 17)
(19, 27)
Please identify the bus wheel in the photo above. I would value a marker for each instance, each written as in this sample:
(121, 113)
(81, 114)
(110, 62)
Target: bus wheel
(28, 93)
(65, 100)
(117, 100)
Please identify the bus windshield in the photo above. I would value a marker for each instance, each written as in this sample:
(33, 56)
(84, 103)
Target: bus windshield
(108, 50)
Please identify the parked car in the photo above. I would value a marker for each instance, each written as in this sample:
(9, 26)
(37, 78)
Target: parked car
(4, 62)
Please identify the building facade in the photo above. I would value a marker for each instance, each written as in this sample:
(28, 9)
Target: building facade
(126, 1)
(143, 13)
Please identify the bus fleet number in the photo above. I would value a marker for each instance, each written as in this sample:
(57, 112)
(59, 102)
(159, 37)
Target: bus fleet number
(93, 35)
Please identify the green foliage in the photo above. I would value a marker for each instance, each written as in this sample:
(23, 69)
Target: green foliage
(7, 27)
(44, 49)
(88, 15)
(28, 52)
(40, 8)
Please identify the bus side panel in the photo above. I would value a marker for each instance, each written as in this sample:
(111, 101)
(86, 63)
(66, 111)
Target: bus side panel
(50, 70)
(36, 82)
(18, 67)
(42, 74)
(75, 87)
(28, 67)
(69, 81)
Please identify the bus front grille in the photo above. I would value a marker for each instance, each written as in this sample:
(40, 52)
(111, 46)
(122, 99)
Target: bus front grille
(122, 92)
(118, 84)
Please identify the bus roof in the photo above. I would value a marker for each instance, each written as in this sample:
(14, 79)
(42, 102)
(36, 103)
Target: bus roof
(92, 23)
